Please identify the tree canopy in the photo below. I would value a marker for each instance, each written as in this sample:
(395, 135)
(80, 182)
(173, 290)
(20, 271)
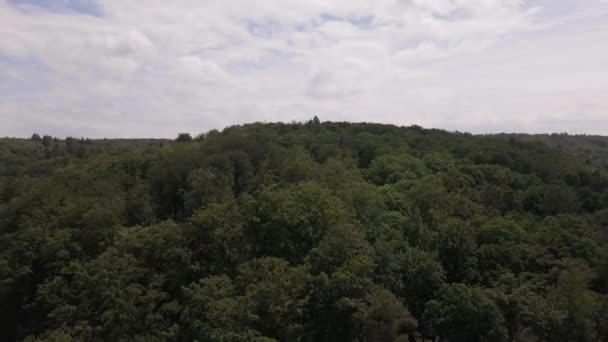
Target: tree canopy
(315, 231)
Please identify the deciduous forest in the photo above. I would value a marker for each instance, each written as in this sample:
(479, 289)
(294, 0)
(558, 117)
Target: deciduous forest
(315, 231)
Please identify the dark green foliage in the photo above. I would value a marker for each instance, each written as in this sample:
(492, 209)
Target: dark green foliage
(184, 138)
(386, 319)
(590, 148)
(315, 231)
(465, 314)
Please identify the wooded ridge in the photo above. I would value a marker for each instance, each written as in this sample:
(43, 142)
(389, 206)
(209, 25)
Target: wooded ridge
(316, 231)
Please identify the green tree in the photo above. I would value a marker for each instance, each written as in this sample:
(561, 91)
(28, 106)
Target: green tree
(462, 313)
(109, 298)
(288, 222)
(213, 311)
(217, 238)
(342, 264)
(577, 301)
(184, 138)
(278, 295)
(386, 319)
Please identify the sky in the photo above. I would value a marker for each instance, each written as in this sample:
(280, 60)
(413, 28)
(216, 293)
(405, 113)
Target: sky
(153, 68)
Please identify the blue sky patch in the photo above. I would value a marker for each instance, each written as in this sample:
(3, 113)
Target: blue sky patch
(90, 7)
(266, 28)
(362, 22)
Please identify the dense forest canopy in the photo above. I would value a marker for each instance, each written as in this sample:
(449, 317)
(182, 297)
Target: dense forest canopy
(302, 232)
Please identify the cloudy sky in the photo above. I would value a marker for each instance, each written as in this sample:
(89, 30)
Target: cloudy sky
(152, 68)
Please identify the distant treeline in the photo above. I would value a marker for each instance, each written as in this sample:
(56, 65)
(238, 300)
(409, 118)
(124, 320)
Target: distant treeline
(590, 148)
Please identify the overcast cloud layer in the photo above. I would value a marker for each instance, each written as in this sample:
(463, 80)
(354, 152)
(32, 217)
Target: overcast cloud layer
(152, 68)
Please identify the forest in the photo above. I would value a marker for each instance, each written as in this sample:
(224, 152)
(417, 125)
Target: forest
(304, 231)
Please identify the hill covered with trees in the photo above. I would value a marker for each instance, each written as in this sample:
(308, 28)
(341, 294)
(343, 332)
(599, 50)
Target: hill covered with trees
(302, 232)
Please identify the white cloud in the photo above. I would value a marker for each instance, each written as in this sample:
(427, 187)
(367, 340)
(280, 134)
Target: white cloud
(154, 68)
(193, 67)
